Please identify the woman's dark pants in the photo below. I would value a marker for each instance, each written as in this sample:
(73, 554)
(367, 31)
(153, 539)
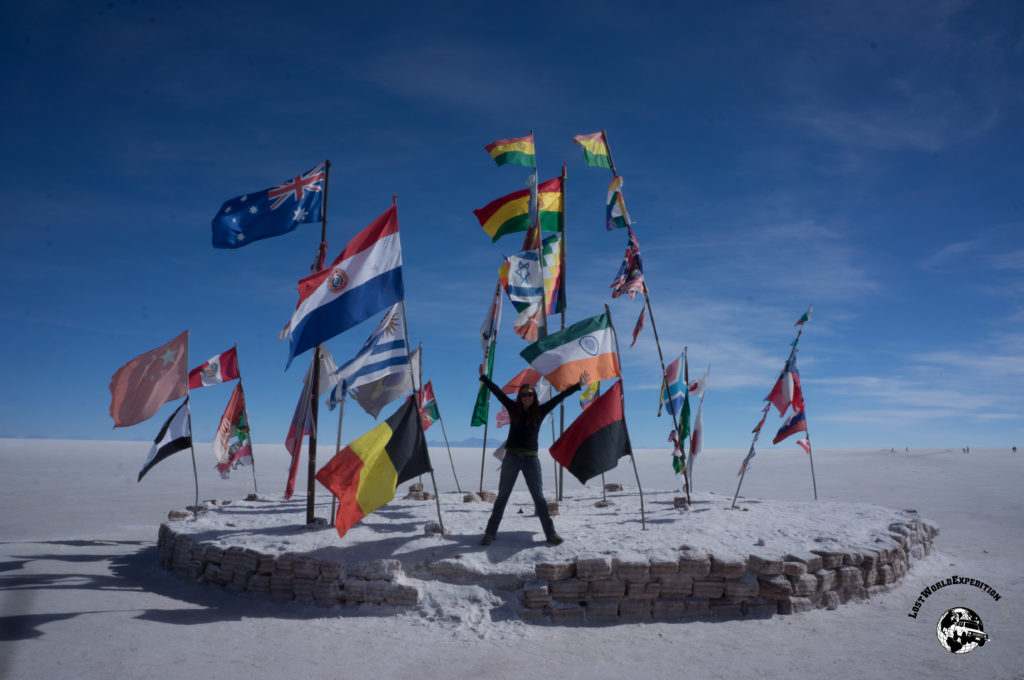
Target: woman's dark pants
(511, 466)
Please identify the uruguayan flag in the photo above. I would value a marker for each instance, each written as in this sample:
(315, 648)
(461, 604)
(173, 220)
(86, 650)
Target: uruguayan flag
(384, 353)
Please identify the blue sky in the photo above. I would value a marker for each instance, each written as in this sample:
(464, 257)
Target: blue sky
(865, 157)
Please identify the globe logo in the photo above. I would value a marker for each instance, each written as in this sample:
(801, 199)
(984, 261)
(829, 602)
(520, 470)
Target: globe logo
(960, 630)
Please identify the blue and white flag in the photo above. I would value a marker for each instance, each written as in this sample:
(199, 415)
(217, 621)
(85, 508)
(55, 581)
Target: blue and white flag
(270, 212)
(365, 279)
(383, 353)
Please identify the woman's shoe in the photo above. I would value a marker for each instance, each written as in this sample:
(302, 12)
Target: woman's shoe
(555, 539)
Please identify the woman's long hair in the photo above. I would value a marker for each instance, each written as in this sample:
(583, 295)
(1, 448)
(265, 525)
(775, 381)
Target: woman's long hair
(531, 414)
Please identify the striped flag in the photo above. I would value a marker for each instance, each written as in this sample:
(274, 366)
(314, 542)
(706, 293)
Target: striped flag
(363, 280)
(215, 370)
(797, 422)
(383, 353)
(584, 347)
(516, 150)
(364, 475)
(596, 440)
(511, 213)
(301, 425)
(639, 325)
(616, 216)
(374, 396)
(805, 318)
(595, 150)
(745, 465)
(804, 444)
(673, 387)
(174, 436)
(554, 285)
(520, 276)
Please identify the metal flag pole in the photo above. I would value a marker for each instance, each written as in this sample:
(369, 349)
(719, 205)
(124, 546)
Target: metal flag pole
(743, 473)
(315, 380)
(809, 449)
(622, 399)
(561, 273)
(450, 459)
(191, 446)
(419, 424)
(337, 450)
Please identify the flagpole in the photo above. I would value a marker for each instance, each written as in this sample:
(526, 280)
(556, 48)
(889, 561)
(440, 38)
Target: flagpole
(450, 459)
(811, 455)
(561, 273)
(604, 136)
(245, 410)
(744, 472)
(419, 423)
(337, 450)
(191, 446)
(622, 401)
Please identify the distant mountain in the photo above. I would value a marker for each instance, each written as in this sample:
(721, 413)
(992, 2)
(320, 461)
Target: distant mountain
(468, 443)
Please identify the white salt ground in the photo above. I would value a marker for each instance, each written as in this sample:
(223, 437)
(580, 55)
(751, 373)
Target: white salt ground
(82, 594)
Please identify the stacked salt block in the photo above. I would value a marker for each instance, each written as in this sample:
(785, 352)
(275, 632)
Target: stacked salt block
(287, 577)
(686, 583)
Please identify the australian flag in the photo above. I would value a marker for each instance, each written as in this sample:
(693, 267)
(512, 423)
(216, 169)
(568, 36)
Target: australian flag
(270, 212)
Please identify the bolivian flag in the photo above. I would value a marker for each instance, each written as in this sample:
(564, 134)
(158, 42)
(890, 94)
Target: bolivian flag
(595, 150)
(586, 346)
(511, 213)
(517, 150)
(596, 440)
(364, 475)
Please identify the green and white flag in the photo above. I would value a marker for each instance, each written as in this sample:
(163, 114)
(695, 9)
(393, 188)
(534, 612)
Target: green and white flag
(488, 339)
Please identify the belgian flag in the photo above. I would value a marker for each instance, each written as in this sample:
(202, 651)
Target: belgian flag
(364, 475)
(597, 439)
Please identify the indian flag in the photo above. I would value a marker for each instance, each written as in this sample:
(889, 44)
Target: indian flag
(509, 214)
(364, 475)
(595, 150)
(586, 346)
(516, 150)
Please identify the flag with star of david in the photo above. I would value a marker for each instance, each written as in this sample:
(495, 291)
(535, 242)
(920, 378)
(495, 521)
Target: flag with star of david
(271, 212)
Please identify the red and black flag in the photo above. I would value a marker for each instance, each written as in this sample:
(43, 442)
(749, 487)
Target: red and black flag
(364, 475)
(597, 439)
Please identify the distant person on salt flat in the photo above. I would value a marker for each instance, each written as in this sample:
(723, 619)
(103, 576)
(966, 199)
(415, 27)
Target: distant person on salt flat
(525, 416)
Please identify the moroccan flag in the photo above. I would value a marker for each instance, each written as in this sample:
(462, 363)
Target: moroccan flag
(215, 370)
(585, 347)
(517, 150)
(174, 436)
(488, 339)
(511, 213)
(364, 475)
(429, 413)
(366, 278)
(139, 388)
(616, 216)
(795, 423)
(596, 440)
(589, 394)
(595, 150)
(270, 212)
(630, 278)
(231, 445)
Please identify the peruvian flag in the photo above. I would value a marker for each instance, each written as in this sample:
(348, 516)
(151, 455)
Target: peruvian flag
(795, 423)
(787, 390)
(216, 370)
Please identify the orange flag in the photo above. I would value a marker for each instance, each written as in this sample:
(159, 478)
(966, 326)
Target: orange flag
(139, 388)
